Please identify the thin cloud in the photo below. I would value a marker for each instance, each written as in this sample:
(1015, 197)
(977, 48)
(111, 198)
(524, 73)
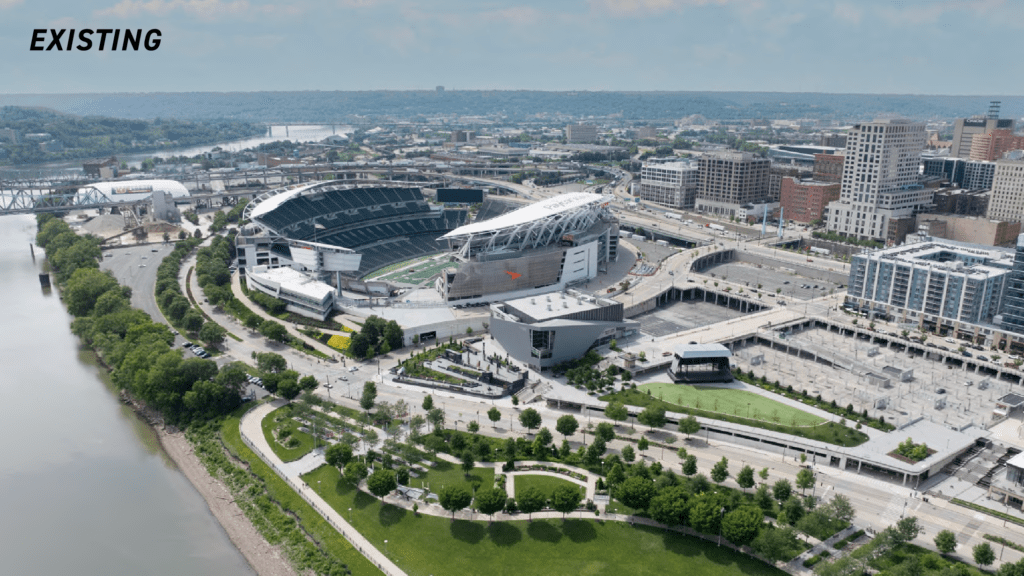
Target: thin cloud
(203, 9)
(4, 4)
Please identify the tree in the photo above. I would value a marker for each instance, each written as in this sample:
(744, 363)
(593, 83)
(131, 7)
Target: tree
(338, 455)
(270, 362)
(490, 500)
(567, 425)
(792, 511)
(529, 418)
(690, 466)
(907, 529)
(212, 334)
(763, 474)
(653, 416)
(494, 415)
(308, 383)
(369, 396)
(643, 444)
(616, 411)
(84, 287)
(473, 426)
(636, 492)
(745, 478)
(566, 498)
(428, 403)
(776, 544)
(741, 525)
(840, 509)
(605, 432)
(782, 490)
(382, 482)
(467, 462)
(670, 506)
(763, 498)
(436, 418)
(529, 501)
(355, 471)
(182, 235)
(288, 389)
(706, 512)
(454, 498)
(252, 322)
(628, 454)
(616, 475)
(983, 554)
(945, 541)
(804, 479)
(689, 425)
(274, 331)
(720, 471)
(192, 321)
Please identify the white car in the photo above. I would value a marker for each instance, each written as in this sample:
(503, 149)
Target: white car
(353, 369)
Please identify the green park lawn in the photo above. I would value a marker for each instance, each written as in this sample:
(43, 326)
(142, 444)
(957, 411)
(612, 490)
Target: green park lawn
(423, 545)
(271, 423)
(730, 401)
(545, 484)
(445, 473)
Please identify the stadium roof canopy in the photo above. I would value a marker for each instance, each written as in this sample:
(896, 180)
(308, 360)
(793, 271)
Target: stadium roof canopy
(130, 190)
(269, 201)
(545, 209)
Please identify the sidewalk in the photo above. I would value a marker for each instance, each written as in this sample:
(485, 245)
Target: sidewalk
(252, 435)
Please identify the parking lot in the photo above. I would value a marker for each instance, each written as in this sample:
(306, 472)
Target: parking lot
(771, 279)
(870, 377)
(680, 316)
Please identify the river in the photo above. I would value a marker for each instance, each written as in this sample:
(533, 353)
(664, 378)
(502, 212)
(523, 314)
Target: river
(84, 485)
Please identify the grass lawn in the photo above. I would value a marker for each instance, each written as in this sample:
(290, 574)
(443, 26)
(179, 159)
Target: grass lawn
(616, 507)
(730, 401)
(447, 474)
(423, 545)
(271, 423)
(546, 484)
(830, 432)
(313, 524)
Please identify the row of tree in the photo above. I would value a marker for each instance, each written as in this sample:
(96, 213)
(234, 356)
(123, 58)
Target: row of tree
(140, 352)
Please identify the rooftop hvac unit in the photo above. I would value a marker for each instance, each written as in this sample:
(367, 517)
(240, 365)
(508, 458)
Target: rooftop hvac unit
(533, 300)
(549, 307)
(565, 304)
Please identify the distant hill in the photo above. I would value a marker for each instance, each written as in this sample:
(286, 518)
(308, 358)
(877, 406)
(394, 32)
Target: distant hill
(517, 106)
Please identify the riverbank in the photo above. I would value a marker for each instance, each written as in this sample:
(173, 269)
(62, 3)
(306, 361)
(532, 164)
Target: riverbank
(265, 559)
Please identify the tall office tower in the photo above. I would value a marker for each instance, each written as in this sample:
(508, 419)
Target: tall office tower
(1007, 202)
(731, 179)
(880, 179)
(965, 129)
(1011, 314)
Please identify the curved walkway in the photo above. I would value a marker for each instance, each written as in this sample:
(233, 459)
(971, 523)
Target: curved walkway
(252, 434)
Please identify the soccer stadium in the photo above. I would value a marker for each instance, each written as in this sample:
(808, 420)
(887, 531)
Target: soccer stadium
(550, 245)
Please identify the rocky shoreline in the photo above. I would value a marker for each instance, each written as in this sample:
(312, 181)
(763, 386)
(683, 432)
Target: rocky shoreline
(266, 560)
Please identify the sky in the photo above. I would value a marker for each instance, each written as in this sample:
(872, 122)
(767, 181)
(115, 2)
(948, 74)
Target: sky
(961, 47)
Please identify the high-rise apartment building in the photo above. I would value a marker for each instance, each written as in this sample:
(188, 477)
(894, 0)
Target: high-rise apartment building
(672, 184)
(1007, 201)
(580, 133)
(730, 179)
(965, 129)
(880, 178)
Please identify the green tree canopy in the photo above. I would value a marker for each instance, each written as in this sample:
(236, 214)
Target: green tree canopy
(741, 525)
(338, 455)
(529, 501)
(454, 498)
(636, 492)
(567, 425)
(566, 498)
(382, 482)
(490, 500)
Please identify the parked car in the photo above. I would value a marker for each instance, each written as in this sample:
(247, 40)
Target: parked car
(982, 358)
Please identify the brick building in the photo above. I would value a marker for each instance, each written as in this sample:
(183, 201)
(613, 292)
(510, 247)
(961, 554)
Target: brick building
(805, 200)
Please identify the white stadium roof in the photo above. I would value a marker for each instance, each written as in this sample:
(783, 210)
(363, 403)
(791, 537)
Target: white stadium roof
(545, 208)
(131, 189)
(270, 203)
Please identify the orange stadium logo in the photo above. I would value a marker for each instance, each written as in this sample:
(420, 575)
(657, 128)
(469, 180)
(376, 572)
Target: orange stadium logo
(514, 275)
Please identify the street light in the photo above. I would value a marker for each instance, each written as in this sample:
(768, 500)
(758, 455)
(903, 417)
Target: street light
(385, 547)
(722, 512)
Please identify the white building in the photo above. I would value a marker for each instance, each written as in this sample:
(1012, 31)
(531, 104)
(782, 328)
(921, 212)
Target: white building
(672, 184)
(301, 294)
(880, 178)
(1007, 200)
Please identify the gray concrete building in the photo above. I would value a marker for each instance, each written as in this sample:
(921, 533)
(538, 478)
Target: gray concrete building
(730, 179)
(542, 331)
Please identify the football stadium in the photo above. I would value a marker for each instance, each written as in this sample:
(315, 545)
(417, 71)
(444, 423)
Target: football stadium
(550, 245)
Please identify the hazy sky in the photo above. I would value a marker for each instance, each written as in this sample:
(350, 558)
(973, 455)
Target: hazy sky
(874, 46)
